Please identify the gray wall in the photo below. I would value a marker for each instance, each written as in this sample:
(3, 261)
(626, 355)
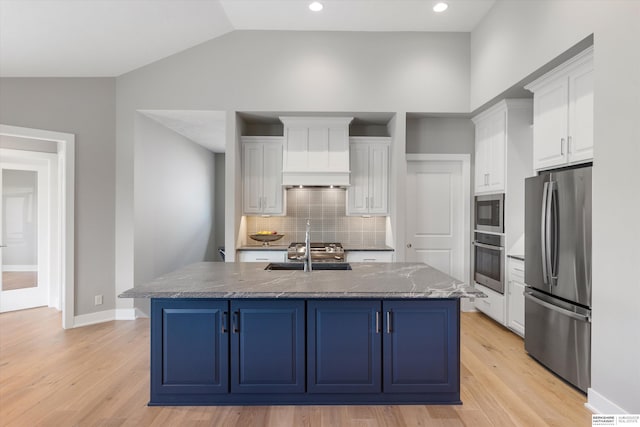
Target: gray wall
(219, 201)
(513, 41)
(84, 107)
(440, 135)
(174, 202)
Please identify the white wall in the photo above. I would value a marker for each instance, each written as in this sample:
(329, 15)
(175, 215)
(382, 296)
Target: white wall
(84, 107)
(516, 39)
(219, 226)
(440, 135)
(174, 202)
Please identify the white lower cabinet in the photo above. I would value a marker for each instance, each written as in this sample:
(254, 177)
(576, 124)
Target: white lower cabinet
(262, 256)
(515, 289)
(493, 306)
(369, 256)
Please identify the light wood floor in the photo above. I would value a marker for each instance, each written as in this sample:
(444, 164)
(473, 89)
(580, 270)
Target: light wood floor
(99, 376)
(12, 280)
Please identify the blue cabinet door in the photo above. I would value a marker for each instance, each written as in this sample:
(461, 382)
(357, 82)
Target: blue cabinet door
(267, 346)
(189, 347)
(344, 346)
(421, 346)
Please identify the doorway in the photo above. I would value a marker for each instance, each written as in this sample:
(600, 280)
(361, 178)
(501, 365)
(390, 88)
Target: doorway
(438, 212)
(62, 248)
(28, 215)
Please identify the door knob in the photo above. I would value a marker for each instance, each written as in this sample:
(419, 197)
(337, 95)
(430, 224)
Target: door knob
(408, 245)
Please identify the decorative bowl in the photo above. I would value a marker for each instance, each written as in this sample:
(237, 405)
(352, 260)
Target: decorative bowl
(266, 238)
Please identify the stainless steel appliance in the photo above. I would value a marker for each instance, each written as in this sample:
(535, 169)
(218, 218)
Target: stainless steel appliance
(320, 252)
(558, 272)
(489, 213)
(488, 268)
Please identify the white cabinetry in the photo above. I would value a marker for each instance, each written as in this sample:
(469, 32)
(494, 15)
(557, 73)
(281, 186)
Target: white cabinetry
(501, 129)
(262, 256)
(490, 150)
(515, 290)
(563, 114)
(493, 306)
(369, 256)
(262, 175)
(316, 150)
(368, 193)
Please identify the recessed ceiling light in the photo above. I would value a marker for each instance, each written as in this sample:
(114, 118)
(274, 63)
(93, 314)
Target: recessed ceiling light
(440, 7)
(316, 6)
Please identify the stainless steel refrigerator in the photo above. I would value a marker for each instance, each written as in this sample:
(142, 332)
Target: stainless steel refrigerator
(558, 272)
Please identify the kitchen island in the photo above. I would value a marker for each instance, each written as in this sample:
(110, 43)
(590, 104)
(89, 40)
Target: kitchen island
(235, 334)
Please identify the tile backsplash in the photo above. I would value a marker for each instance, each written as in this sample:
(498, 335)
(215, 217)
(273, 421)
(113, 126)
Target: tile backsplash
(326, 207)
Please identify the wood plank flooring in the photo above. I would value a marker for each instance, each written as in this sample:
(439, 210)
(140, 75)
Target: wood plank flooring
(99, 376)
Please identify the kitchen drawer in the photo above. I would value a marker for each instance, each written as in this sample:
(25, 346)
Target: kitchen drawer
(262, 256)
(493, 305)
(516, 270)
(369, 256)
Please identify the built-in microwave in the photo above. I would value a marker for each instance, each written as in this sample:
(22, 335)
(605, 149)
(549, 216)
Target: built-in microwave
(489, 213)
(489, 260)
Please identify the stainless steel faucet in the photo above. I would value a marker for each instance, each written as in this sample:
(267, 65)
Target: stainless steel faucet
(307, 245)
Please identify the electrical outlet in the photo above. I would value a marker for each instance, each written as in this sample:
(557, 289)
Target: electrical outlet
(98, 299)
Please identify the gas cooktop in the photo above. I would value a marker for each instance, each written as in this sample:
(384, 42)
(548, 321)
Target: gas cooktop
(320, 252)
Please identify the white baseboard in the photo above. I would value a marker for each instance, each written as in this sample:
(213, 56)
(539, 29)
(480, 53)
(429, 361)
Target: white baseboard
(107, 316)
(93, 318)
(598, 404)
(19, 268)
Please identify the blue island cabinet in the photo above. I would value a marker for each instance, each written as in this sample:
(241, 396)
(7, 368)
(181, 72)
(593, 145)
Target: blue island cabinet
(317, 351)
(407, 349)
(189, 350)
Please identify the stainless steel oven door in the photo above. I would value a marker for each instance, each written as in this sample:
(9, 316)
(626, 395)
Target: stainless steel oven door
(489, 213)
(488, 269)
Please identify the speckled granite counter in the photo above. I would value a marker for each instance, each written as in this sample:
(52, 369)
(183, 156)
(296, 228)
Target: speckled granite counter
(250, 280)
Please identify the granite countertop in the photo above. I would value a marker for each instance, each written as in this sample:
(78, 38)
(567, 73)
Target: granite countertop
(347, 247)
(250, 280)
(516, 256)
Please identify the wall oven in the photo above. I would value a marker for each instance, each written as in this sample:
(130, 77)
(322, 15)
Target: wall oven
(489, 213)
(488, 268)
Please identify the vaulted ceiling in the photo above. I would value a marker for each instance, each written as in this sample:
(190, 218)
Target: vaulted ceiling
(90, 38)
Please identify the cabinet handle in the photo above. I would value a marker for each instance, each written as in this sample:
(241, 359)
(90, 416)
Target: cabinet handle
(562, 146)
(262, 259)
(236, 316)
(569, 144)
(377, 322)
(224, 322)
(388, 322)
(486, 179)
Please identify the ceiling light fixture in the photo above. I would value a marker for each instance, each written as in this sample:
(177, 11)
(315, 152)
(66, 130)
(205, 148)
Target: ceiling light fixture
(316, 6)
(440, 7)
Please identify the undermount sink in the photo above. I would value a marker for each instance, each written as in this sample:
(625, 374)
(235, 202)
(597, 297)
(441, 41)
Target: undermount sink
(319, 266)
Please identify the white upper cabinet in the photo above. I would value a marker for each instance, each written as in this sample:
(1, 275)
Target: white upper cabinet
(368, 193)
(316, 151)
(262, 175)
(490, 149)
(563, 114)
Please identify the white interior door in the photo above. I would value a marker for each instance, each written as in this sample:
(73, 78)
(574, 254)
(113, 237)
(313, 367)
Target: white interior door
(24, 235)
(435, 215)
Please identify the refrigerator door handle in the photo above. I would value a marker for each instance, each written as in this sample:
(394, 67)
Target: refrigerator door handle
(548, 237)
(543, 233)
(531, 297)
(552, 250)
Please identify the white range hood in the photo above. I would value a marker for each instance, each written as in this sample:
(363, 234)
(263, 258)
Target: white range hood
(316, 151)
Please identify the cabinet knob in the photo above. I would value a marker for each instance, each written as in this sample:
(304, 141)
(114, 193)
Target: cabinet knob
(409, 245)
